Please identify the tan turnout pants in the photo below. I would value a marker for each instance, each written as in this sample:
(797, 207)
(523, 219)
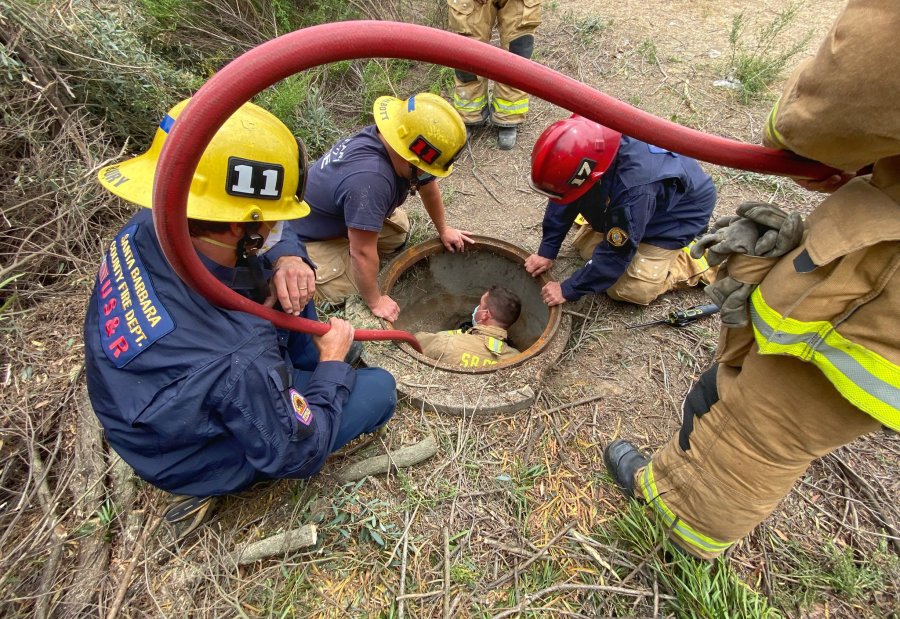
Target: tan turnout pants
(334, 282)
(774, 416)
(653, 270)
(514, 19)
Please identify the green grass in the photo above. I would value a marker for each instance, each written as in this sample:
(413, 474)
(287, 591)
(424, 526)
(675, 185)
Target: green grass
(647, 50)
(700, 589)
(806, 578)
(381, 77)
(758, 60)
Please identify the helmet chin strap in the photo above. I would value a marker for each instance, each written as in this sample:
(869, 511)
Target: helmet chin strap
(413, 180)
(248, 255)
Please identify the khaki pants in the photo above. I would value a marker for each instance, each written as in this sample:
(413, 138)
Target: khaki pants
(514, 19)
(334, 282)
(772, 418)
(652, 272)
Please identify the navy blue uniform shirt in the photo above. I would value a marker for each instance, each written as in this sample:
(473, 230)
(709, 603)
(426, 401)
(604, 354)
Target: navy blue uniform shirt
(648, 195)
(199, 399)
(353, 185)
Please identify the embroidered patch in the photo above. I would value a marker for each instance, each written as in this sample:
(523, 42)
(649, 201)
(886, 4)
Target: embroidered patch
(301, 408)
(131, 316)
(616, 237)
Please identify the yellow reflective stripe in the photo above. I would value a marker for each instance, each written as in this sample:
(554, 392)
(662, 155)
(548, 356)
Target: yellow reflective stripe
(679, 527)
(772, 133)
(866, 379)
(701, 261)
(511, 107)
(495, 345)
(469, 104)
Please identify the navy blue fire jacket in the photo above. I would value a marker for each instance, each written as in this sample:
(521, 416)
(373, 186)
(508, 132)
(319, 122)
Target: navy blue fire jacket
(648, 195)
(199, 399)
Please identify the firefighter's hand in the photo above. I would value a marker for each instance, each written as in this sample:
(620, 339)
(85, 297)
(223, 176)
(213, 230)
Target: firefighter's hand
(385, 307)
(826, 185)
(455, 240)
(334, 345)
(535, 265)
(552, 294)
(292, 285)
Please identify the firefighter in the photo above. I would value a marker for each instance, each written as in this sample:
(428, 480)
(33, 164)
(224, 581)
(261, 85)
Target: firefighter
(355, 190)
(516, 20)
(486, 342)
(814, 363)
(203, 401)
(643, 206)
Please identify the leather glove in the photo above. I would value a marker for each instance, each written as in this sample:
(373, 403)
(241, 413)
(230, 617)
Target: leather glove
(785, 230)
(759, 229)
(731, 297)
(729, 235)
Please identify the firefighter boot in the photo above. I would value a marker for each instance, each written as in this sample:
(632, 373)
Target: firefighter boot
(622, 460)
(506, 138)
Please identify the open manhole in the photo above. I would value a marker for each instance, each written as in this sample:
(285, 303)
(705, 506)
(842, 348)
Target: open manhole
(437, 290)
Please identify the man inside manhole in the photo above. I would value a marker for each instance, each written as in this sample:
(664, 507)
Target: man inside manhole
(485, 343)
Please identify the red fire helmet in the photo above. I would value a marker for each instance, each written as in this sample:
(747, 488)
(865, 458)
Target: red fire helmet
(570, 156)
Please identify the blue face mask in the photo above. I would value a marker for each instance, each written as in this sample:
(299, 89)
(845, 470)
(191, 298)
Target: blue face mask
(475, 311)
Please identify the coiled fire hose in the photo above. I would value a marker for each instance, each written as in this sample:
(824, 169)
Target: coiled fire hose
(279, 58)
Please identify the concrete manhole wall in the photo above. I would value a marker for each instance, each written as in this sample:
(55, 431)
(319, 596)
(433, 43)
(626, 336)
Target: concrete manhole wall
(438, 290)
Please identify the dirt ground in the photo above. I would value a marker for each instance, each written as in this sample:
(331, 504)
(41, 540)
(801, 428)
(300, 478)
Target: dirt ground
(462, 534)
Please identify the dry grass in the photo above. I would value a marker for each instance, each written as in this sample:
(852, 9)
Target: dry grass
(515, 516)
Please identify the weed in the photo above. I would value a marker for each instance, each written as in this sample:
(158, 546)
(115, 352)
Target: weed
(365, 521)
(756, 65)
(465, 572)
(420, 227)
(834, 569)
(586, 28)
(647, 50)
(381, 77)
(699, 589)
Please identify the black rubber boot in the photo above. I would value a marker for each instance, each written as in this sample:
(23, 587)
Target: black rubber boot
(506, 138)
(354, 355)
(622, 459)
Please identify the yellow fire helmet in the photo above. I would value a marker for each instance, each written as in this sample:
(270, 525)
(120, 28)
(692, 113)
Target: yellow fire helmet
(254, 169)
(424, 129)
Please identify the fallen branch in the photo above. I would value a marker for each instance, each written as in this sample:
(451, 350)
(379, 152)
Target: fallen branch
(521, 566)
(276, 545)
(407, 456)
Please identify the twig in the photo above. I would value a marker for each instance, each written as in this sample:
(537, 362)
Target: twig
(587, 400)
(400, 597)
(407, 456)
(478, 178)
(573, 587)
(518, 568)
(873, 503)
(152, 525)
(446, 532)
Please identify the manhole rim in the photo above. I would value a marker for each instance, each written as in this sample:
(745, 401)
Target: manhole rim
(410, 256)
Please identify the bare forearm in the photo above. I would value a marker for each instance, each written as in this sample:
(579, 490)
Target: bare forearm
(434, 206)
(364, 268)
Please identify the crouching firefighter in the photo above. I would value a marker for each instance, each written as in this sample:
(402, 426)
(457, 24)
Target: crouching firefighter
(203, 401)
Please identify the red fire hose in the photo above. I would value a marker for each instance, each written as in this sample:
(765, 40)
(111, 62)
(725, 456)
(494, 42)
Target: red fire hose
(279, 58)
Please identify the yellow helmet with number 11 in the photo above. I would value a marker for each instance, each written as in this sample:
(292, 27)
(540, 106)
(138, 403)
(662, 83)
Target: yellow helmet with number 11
(254, 169)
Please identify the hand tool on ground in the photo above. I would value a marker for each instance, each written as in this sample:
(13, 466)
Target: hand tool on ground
(681, 318)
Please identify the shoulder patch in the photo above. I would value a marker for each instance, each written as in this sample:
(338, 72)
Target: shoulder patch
(616, 237)
(301, 408)
(131, 315)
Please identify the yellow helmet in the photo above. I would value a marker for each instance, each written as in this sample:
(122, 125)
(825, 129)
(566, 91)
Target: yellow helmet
(425, 130)
(254, 169)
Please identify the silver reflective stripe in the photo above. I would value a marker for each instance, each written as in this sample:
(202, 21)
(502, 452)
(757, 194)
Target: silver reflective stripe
(842, 361)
